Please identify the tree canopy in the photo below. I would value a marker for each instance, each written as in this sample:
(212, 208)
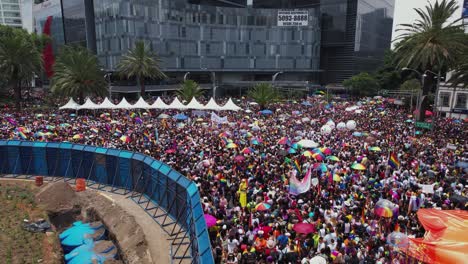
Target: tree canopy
(362, 84)
(77, 74)
(263, 94)
(140, 63)
(20, 58)
(188, 90)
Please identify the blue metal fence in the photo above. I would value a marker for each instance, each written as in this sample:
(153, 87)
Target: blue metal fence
(161, 191)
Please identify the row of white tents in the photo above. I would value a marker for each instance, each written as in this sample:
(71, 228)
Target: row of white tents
(158, 104)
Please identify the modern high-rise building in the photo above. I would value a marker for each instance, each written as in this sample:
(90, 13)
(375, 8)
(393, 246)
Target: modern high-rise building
(232, 42)
(10, 13)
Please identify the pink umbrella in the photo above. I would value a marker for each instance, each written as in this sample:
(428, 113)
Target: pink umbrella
(210, 220)
(239, 158)
(304, 228)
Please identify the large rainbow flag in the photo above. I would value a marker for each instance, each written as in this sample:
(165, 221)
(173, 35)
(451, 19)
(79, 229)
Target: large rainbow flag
(297, 187)
(393, 161)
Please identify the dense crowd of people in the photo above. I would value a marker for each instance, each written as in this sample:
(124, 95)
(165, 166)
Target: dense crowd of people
(245, 167)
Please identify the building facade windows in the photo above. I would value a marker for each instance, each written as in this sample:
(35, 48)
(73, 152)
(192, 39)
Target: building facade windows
(444, 99)
(461, 101)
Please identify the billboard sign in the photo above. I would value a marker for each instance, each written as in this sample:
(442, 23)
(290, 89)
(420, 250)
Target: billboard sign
(465, 9)
(293, 18)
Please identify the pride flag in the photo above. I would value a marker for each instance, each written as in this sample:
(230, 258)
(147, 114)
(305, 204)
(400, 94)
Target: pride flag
(393, 161)
(146, 135)
(297, 187)
(22, 135)
(297, 166)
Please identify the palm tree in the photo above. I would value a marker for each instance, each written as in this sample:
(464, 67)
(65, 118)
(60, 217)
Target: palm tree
(20, 58)
(432, 42)
(263, 94)
(460, 74)
(77, 74)
(188, 90)
(140, 63)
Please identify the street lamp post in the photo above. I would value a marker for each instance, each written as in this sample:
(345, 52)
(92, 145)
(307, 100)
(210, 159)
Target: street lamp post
(107, 77)
(419, 99)
(186, 75)
(273, 78)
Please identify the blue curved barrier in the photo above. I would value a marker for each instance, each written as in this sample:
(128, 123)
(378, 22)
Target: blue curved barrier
(143, 176)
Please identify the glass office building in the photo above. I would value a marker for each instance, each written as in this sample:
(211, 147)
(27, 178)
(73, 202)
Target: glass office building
(228, 38)
(319, 41)
(10, 13)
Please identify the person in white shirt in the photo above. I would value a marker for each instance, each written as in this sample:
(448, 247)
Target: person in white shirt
(232, 243)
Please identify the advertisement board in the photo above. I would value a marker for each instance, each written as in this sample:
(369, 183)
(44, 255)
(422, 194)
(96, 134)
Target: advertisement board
(293, 18)
(465, 9)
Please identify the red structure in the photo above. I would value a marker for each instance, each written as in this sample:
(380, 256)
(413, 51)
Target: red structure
(47, 53)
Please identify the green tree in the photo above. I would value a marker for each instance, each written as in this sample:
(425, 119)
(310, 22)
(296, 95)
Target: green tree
(432, 42)
(263, 94)
(77, 74)
(411, 85)
(362, 84)
(140, 63)
(387, 75)
(460, 74)
(20, 58)
(188, 90)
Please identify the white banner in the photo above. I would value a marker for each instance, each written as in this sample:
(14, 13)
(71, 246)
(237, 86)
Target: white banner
(217, 119)
(293, 18)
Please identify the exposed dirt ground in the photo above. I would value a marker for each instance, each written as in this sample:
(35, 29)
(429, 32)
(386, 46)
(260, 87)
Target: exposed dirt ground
(138, 237)
(16, 244)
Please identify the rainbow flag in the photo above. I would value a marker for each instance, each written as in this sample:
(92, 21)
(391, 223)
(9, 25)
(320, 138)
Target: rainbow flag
(297, 166)
(297, 187)
(132, 115)
(146, 135)
(393, 161)
(22, 135)
(416, 166)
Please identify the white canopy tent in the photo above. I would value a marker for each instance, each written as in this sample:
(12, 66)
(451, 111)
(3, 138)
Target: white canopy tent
(70, 105)
(212, 105)
(176, 104)
(194, 104)
(88, 105)
(141, 104)
(159, 104)
(230, 105)
(124, 104)
(106, 104)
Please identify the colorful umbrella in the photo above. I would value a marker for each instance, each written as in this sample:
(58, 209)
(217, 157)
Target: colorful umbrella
(336, 178)
(283, 141)
(247, 150)
(398, 240)
(224, 134)
(358, 166)
(384, 208)
(296, 146)
(125, 139)
(326, 151)
(231, 145)
(333, 158)
(307, 153)
(239, 158)
(376, 149)
(291, 151)
(262, 207)
(78, 136)
(210, 220)
(304, 228)
(318, 156)
(321, 167)
(254, 141)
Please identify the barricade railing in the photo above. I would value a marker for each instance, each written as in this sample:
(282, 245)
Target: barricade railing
(171, 199)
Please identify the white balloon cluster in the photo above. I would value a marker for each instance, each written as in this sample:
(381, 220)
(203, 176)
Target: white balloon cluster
(330, 125)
